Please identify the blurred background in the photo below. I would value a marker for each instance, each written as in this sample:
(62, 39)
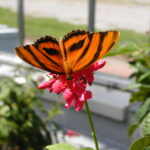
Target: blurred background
(24, 21)
(57, 18)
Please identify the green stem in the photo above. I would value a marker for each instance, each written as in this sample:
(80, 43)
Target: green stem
(92, 125)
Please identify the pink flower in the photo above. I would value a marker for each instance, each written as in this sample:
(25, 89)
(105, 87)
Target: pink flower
(74, 91)
(58, 87)
(46, 84)
(71, 133)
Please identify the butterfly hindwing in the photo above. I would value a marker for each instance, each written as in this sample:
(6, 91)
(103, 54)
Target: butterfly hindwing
(84, 48)
(44, 54)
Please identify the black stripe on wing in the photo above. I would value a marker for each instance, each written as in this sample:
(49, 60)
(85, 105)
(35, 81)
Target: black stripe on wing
(87, 47)
(74, 33)
(111, 46)
(42, 65)
(96, 55)
(51, 51)
(51, 60)
(46, 39)
(22, 56)
(77, 46)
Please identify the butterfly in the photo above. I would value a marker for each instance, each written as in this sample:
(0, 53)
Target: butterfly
(76, 51)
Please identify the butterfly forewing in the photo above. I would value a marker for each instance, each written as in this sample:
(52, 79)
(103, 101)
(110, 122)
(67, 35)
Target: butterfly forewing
(100, 44)
(75, 45)
(84, 48)
(44, 54)
(109, 40)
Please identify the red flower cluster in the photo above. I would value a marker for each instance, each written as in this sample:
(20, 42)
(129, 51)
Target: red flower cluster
(74, 91)
(72, 133)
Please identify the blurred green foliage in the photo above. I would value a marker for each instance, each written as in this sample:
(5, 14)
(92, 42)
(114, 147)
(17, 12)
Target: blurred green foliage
(65, 146)
(37, 27)
(21, 124)
(139, 56)
(141, 144)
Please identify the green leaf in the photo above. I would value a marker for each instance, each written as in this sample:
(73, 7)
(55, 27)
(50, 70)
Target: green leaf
(133, 86)
(132, 128)
(145, 86)
(147, 148)
(143, 76)
(141, 144)
(142, 68)
(143, 110)
(61, 146)
(146, 125)
(87, 148)
(137, 96)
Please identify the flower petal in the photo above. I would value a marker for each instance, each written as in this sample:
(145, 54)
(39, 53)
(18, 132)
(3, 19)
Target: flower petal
(46, 84)
(69, 103)
(58, 87)
(90, 78)
(98, 65)
(79, 105)
(85, 96)
(68, 94)
(71, 133)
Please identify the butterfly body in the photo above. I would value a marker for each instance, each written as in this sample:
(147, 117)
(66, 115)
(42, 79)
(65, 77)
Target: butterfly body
(76, 51)
(66, 65)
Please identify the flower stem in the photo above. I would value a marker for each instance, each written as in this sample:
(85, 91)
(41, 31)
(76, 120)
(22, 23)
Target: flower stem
(92, 125)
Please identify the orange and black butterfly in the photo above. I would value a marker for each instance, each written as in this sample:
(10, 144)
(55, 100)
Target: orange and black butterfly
(74, 52)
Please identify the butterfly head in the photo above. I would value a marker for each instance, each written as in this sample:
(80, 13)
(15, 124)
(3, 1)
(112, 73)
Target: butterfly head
(69, 77)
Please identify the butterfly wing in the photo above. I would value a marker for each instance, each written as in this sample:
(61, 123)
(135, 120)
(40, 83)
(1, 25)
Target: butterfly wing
(44, 54)
(83, 48)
